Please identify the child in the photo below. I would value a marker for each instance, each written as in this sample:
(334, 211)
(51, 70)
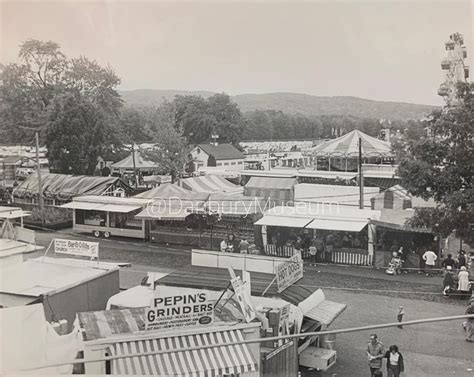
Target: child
(378, 373)
(400, 315)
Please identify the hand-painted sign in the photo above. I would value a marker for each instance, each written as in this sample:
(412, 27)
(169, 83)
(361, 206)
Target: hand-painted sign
(243, 297)
(73, 247)
(289, 272)
(172, 308)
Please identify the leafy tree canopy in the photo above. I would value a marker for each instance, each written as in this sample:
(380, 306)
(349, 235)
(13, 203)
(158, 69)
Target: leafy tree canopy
(439, 165)
(43, 73)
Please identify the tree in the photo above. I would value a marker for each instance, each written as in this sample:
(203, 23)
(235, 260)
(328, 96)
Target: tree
(43, 73)
(227, 120)
(75, 134)
(170, 148)
(199, 118)
(439, 165)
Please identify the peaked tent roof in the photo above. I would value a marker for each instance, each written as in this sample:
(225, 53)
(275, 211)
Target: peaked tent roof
(348, 145)
(167, 190)
(65, 186)
(140, 162)
(222, 151)
(211, 183)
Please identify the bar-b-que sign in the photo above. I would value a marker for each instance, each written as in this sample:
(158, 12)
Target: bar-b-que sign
(79, 248)
(171, 308)
(289, 272)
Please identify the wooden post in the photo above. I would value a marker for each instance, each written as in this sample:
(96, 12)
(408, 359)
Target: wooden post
(40, 183)
(361, 177)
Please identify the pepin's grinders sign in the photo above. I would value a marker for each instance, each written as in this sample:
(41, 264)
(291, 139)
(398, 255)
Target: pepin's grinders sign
(172, 309)
(289, 272)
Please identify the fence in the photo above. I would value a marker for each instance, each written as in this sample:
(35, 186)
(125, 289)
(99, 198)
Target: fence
(279, 251)
(355, 259)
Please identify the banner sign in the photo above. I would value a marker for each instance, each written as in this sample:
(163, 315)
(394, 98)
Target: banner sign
(173, 308)
(80, 248)
(289, 272)
(243, 297)
(276, 351)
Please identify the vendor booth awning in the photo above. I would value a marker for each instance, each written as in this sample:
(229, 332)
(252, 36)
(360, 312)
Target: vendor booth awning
(122, 208)
(338, 225)
(293, 222)
(326, 312)
(215, 361)
(319, 309)
(82, 205)
(211, 183)
(166, 214)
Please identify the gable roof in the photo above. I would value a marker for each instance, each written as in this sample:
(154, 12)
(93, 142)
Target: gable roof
(222, 151)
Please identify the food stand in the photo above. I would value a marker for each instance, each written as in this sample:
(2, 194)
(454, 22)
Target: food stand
(106, 216)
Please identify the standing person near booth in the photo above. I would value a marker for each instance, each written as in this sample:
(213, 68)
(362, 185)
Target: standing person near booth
(329, 247)
(244, 246)
(463, 281)
(313, 252)
(375, 354)
(430, 260)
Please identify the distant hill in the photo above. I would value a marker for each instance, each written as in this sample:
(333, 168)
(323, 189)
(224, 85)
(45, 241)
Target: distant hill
(293, 103)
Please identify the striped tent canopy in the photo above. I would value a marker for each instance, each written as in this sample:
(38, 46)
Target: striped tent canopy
(348, 145)
(211, 183)
(167, 190)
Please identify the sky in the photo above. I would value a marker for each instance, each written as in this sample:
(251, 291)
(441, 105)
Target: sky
(382, 50)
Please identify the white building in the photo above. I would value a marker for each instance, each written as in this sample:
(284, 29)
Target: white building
(220, 155)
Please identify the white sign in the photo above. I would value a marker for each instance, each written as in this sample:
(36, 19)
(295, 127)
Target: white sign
(289, 272)
(173, 308)
(284, 327)
(80, 248)
(243, 298)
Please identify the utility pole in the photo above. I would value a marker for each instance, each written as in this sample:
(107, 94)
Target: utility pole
(361, 177)
(134, 165)
(40, 183)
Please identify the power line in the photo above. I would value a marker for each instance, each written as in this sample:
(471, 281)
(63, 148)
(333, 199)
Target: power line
(248, 341)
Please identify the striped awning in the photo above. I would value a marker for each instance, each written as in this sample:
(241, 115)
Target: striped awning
(211, 183)
(208, 362)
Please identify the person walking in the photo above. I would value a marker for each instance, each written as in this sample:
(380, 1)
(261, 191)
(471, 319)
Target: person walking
(430, 259)
(401, 313)
(395, 363)
(375, 354)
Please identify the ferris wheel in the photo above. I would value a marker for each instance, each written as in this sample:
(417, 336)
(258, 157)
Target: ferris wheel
(456, 70)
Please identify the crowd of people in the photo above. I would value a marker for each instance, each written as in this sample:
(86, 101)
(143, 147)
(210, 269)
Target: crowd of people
(320, 245)
(456, 275)
(233, 245)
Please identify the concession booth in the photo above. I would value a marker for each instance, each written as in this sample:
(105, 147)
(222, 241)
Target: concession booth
(106, 216)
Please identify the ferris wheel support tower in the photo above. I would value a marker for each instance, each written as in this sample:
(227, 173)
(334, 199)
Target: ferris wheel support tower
(456, 70)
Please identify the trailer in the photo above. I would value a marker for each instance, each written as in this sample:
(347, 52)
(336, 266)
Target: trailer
(106, 216)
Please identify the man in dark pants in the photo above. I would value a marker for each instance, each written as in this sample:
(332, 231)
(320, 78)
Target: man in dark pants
(375, 354)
